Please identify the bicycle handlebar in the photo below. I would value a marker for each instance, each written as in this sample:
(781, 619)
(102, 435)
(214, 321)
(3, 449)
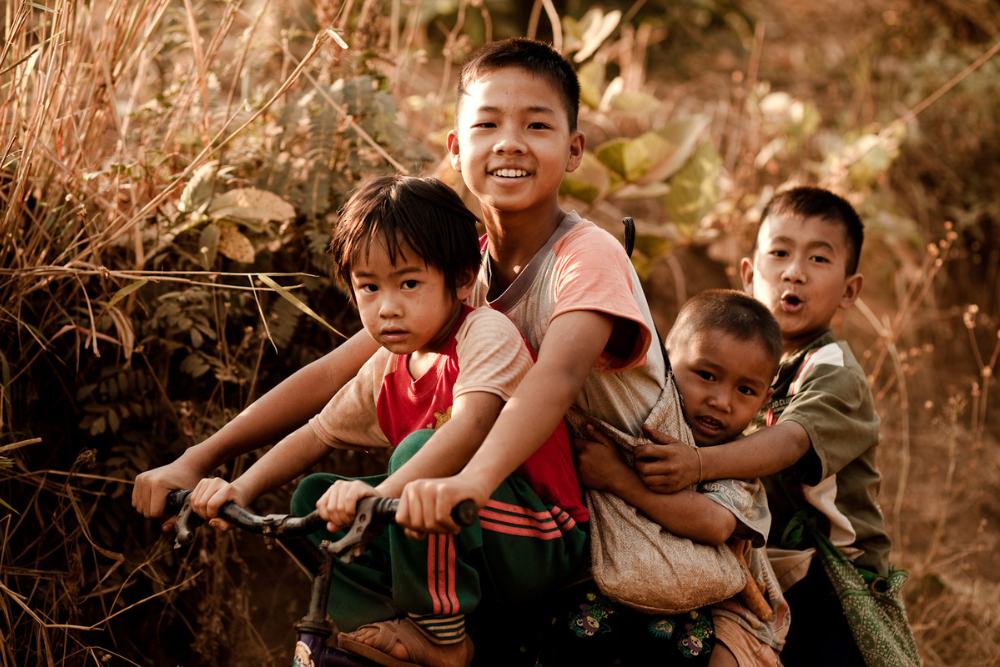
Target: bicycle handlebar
(384, 509)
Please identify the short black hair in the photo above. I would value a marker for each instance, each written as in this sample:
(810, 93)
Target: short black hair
(534, 57)
(420, 213)
(808, 202)
(731, 312)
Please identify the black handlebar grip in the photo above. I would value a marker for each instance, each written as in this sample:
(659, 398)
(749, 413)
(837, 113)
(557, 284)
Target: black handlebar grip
(464, 513)
(176, 498)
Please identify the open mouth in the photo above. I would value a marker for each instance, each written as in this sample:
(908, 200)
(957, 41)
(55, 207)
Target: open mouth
(510, 173)
(791, 302)
(709, 424)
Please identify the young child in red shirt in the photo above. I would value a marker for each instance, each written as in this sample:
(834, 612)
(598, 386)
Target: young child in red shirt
(408, 250)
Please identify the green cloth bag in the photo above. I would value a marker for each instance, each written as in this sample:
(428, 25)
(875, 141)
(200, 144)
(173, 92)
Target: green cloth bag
(873, 606)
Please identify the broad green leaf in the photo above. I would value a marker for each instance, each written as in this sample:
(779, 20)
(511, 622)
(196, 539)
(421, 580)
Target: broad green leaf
(295, 301)
(694, 190)
(589, 182)
(652, 245)
(250, 205)
(199, 188)
(591, 76)
(125, 291)
(681, 137)
(234, 245)
(655, 155)
(634, 159)
(612, 155)
(208, 244)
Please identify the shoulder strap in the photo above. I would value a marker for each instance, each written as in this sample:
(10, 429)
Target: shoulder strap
(629, 224)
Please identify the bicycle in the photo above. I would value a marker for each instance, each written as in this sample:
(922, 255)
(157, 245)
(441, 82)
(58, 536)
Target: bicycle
(314, 629)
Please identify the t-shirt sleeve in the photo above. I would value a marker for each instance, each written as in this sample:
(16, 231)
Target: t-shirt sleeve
(834, 405)
(492, 355)
(349, 420)
(594, 273)
(747, 500)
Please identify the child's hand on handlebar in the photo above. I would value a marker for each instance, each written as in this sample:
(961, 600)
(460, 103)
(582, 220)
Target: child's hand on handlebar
(149, 494)
(425, 505)
(210, 494)
(338, 505)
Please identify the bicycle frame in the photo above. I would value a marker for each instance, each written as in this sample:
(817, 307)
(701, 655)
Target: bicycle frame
(314, 629)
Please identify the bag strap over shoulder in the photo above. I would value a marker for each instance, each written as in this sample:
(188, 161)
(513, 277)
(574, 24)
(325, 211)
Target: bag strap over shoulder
(629, 243)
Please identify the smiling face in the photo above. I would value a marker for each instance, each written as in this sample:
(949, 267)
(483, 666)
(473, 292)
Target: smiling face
(512, 142)
(723, 380)
(799, 271)
(406, 306)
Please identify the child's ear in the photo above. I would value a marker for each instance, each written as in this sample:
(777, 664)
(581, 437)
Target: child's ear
(746, 274)
(577, 142)
(454, 155)
(464, 284)
(852, 290)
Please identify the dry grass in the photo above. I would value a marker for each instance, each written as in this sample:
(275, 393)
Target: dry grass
(110, 110)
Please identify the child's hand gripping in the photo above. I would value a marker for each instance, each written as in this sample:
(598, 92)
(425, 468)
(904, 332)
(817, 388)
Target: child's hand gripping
(426, 505)
(210, 494)
(667, 465)
(338, 505)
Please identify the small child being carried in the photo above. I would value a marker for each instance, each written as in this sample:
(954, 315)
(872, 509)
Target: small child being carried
(724, 348)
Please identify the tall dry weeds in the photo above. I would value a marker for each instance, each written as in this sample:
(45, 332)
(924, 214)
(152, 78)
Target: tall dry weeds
(110, 109)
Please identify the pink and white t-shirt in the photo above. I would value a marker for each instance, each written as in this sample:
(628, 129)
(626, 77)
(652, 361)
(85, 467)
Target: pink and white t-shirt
(584, 267)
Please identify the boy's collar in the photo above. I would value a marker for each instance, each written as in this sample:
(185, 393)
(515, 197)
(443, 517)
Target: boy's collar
(503, 294)
(824, 337)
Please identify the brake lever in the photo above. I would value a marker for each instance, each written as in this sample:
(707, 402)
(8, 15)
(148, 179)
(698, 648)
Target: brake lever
(187, 522)
(368, 522)
(373, 513)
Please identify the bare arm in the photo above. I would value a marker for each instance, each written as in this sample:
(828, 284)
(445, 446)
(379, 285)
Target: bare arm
(295, 454)
(272, 416)
(766, 452)
(444, 454)
(452, 445)
(685, 513)
(670, 466)
(571, 345)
